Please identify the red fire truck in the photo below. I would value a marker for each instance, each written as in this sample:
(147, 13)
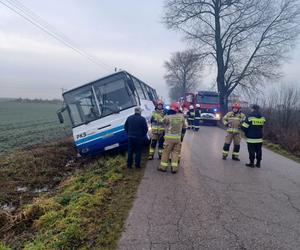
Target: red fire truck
(209, 105)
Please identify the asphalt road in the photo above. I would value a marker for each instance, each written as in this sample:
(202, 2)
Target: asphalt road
(216, 204)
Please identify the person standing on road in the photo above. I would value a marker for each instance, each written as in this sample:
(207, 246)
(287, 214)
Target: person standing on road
(136, 127)
(174, 128)
(157, 130)
(253, 128)
(191, 117)
(233, 120)
(197, 117)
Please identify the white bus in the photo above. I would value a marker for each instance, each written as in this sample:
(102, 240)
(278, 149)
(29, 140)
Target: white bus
(98, 110)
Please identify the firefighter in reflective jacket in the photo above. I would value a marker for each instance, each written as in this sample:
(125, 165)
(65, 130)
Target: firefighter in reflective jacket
(191, 117)
(174, 128)
(157, 130)
(197, 117)
(233, 120)
(253, 128)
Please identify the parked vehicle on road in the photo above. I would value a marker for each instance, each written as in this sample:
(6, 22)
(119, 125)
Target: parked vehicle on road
(209, 105)
(98, 110)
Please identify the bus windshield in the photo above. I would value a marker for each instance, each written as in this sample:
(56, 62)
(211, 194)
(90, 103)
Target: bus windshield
(82, 105)
(209, 99)
(98, 99)
(114, 96)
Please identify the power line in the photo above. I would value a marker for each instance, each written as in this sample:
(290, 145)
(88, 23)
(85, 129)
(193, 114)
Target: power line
(31, 17)
(36, 18)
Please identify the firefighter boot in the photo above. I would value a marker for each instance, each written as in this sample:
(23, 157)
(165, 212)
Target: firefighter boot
(164, 163)
(152, 148)
(250, 164)
(225, 150)
(235, 154)
(151, 153)
(235, 158)
(257, 164)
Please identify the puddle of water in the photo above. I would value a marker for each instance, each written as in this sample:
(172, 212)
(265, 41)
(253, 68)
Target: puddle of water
(22, 189)
(36, 190)
(8, 207)
(41, 190)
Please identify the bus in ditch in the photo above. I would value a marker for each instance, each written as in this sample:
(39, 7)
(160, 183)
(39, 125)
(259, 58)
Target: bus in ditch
(99, 109)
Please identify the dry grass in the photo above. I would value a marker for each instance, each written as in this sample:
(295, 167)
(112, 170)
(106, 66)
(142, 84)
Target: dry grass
(85, 209)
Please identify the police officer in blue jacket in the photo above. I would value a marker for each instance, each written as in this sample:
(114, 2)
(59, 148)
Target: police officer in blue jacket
(136, 127)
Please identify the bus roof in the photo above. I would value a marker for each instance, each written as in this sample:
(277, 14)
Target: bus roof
(102, 78)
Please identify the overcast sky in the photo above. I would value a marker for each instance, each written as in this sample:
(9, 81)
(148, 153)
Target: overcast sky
(125, 34)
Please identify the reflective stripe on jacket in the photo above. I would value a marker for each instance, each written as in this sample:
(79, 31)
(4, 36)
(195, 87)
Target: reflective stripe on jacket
(253, 127)
(191, 114)
(174, 125)
(157, 122)
(233, 121)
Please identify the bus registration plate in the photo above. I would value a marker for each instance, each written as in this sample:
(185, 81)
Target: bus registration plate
(111, 146)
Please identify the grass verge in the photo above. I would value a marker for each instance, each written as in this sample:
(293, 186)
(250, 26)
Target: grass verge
(87, 210)
(280, 150)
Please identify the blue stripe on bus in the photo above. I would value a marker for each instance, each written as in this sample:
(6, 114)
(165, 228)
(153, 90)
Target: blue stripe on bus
(99, 135)
(98, 145)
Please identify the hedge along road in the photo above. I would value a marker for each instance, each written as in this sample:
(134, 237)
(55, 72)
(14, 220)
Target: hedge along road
(216, 204)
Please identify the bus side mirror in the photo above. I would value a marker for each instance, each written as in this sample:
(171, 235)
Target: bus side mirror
(60, 117)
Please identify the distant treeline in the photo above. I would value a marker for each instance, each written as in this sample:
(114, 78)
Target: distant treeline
(36, 100)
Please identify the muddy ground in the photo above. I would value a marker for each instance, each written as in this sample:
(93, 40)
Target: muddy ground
(26, 174)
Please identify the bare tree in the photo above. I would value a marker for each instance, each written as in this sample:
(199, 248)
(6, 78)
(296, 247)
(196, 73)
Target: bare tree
(281, 107)
(247, 38)
(183, 73)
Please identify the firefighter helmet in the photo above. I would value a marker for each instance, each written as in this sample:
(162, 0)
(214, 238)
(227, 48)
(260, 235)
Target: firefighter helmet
(159, 102)
(191, 107)
(197, 105)
(236, 106)
(175, 106)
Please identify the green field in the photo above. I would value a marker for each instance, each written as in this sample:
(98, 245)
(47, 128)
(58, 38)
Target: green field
(26, 124)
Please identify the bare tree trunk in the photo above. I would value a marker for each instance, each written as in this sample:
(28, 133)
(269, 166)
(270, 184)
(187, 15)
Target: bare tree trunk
(223, 103)
(220, 61)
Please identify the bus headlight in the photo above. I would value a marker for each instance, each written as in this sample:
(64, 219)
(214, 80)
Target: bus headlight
(218, 116)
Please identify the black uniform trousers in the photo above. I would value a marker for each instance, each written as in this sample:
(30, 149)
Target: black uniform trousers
(190, 123)
(255, 151)
(161, 141)
(135, 146)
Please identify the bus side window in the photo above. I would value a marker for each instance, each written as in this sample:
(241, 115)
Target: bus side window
(150, 94)
(154, 94)
(138, 88)
(145, 90)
